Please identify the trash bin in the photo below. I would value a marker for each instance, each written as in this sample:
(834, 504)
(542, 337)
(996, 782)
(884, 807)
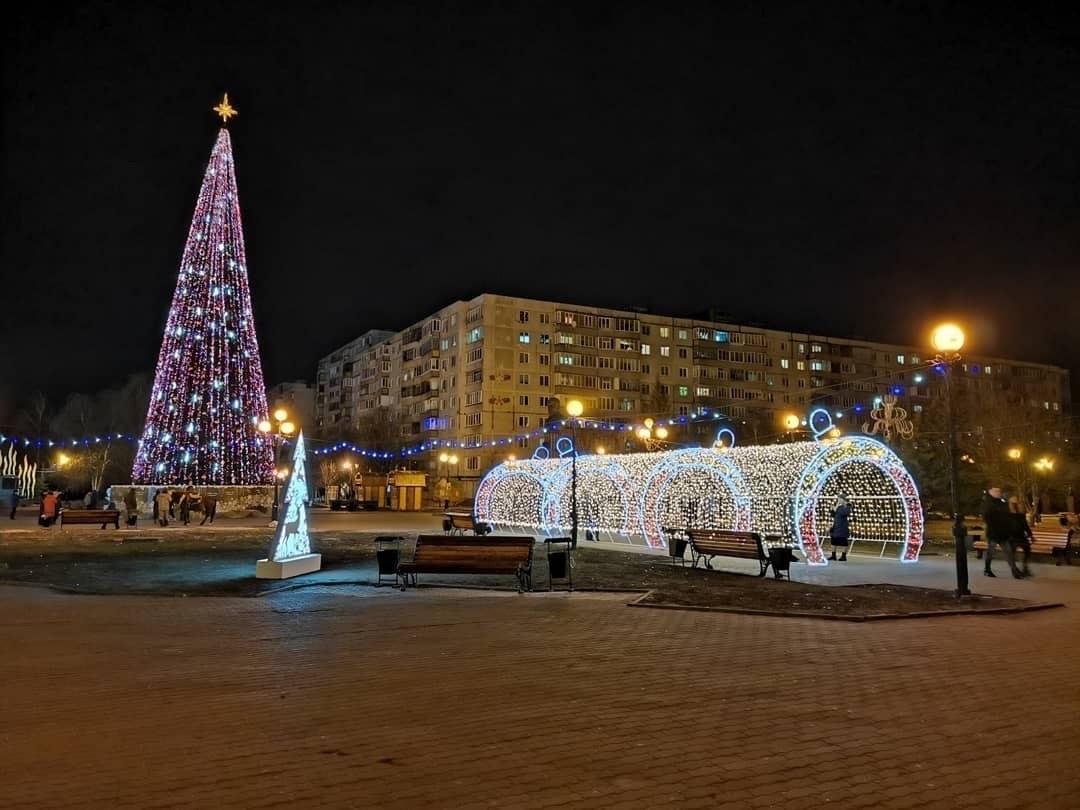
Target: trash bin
(387, 556)
(557, 564)
(781, 558)
(677, 548)
(560, 563)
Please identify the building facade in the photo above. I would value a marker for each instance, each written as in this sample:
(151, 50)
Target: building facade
(484, 371)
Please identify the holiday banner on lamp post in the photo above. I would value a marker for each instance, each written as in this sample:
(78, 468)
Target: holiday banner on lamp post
(290, 550)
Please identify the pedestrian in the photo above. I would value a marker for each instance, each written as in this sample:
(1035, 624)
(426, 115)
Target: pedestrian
(840, 531)
(91, 499)
(131, 506)
(999, 529)
(14, 502)
(163, 498)
(187, 500)
(49, 504)
(1021, 533)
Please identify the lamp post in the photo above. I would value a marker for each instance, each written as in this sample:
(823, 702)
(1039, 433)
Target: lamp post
(574, 409)
(278, 430)
(1044, 466)
(947, 340)
(652, 436)
(1015, 455)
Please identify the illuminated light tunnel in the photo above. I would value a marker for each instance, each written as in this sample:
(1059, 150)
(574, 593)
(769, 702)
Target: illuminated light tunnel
(784, 490)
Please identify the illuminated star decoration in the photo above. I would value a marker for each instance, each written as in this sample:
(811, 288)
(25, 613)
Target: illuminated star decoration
(889, 417)
(225, 109)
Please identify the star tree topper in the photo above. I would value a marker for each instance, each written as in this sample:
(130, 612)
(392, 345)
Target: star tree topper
(225, 109)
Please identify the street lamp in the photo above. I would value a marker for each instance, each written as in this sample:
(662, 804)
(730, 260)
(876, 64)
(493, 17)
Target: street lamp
(278, 430)
(1043, 466)
(574, 409)
(947, 340)
(652, 435)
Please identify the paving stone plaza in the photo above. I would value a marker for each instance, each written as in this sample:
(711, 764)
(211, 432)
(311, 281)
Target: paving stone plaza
(333, 696)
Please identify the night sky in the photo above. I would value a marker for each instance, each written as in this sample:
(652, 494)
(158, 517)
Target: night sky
(855, 171)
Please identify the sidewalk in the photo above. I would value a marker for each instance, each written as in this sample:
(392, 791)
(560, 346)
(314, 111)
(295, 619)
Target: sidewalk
(316, 698)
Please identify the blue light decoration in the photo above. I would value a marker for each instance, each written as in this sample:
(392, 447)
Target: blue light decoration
(784, 491)
(820, 422)
(725, 437)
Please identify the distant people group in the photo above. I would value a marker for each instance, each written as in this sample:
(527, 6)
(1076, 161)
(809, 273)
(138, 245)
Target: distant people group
(1007, 526)
(168, 501)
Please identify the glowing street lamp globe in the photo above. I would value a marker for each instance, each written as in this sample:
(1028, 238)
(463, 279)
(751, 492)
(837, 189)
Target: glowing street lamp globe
(947, 338)
(1015, 453)
(575, 408)
(644, 433)
(265, 426)
(661, 433)
(288, 428)
(443, 458)
(281, 414)
(791, 421)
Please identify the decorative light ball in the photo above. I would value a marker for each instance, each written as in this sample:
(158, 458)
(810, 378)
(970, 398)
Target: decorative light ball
(791, 421)
(948, 338)
(281, 414)
(575, 408)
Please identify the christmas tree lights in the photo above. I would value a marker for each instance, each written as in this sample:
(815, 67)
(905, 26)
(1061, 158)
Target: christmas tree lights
(786, 490)
(208, 395)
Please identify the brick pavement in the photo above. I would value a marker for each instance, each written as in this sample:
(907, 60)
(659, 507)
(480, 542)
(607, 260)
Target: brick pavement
(319, 698)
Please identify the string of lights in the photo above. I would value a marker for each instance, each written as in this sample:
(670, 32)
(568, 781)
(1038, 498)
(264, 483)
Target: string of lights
(785, 490)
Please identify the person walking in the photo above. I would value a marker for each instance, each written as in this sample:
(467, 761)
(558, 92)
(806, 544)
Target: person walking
(162, 500)
(999, 530)
(14, 502)
(1021, 533)
(840, 531)
(131, 506)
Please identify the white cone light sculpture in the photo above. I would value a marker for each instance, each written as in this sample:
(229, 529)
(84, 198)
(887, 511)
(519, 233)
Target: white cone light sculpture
(290, 550)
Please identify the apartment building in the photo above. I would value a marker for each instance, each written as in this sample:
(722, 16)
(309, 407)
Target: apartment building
(481, 371)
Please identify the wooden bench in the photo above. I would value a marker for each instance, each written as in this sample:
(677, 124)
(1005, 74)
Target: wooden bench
(91, 516)
(459, 523)
(442, 554)
(1048, 537)
(708, 543)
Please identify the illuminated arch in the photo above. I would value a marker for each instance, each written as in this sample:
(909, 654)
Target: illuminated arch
(824, 468)
(717, 466)
(515, 484)
(556, 509)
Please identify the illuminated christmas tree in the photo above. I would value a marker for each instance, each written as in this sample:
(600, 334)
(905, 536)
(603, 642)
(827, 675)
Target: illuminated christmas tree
(208, 396)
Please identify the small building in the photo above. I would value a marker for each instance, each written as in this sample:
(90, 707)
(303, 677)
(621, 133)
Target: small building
(405, 490)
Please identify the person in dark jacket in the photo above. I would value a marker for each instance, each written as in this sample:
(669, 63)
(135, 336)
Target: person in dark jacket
(999, 529)
(14, 502)
(131, 506)
(1021, 532)
(840, 531)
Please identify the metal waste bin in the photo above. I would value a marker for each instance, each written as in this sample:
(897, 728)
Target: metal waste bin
(387, 555)
(560, 563)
